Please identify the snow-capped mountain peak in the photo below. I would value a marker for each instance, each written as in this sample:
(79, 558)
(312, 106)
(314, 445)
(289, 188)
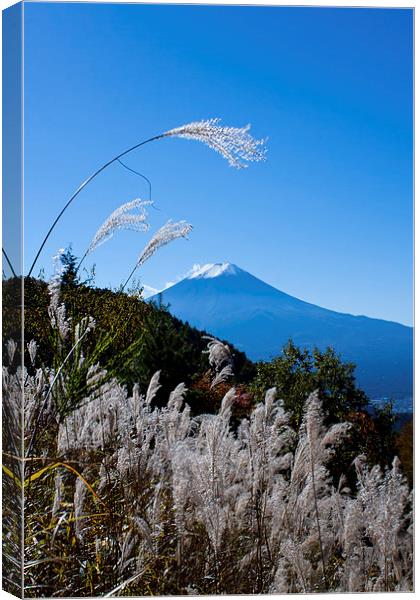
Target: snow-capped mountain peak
(234, 305)
(212, 270)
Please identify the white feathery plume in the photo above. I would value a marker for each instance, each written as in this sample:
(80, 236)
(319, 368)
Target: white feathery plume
(154, 387)
(83, 327)
(227, 403)
(119, 219)
(11, 349)
(235, 144)
(54, 284)
(176, 397)
(57, 310)
(220, 358)
(169, 232)
(32, 349)
(335, 434)
(219, 354)
(222, 376)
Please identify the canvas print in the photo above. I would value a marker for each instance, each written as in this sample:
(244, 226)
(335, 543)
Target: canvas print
(207, 299)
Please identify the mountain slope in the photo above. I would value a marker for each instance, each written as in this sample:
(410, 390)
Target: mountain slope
(259, 319)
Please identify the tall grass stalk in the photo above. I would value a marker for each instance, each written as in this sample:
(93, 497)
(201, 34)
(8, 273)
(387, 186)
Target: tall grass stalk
(233, 143)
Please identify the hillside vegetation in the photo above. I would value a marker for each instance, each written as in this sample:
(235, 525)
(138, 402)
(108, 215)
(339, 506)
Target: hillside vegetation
(160, 461)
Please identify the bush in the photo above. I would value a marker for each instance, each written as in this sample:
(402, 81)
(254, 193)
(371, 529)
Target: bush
(296, 373)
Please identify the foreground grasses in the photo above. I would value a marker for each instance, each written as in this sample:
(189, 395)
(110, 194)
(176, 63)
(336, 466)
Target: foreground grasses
(122, 497)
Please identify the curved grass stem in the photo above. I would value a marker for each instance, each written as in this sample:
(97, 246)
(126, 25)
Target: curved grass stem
(9, 262)
(82, 187)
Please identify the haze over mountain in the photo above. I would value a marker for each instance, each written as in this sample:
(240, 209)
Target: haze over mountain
(259, 319)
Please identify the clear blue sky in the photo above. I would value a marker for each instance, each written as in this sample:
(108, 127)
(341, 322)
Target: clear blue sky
(328, 216)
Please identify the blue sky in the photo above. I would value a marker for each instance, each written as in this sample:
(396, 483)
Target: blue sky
(328, 216)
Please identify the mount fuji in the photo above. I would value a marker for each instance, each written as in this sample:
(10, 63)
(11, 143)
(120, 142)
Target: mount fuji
(259, 319)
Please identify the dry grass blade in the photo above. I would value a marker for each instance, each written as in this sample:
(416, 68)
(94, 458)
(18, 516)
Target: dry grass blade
(128, 581)
(41, 472)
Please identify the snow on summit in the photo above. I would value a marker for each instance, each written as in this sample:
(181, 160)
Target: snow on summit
(208, 271)
(212, 270)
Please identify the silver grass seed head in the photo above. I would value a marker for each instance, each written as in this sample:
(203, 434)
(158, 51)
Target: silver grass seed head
(166, 234)
(54, 284)
(121, 220)
(154, 387)
(270, 397)
(11, 349)
(336, 433)
(359, 464)
(235, 144)
(32, 350)
(396, 466)
(219, 353)
(227, 403)
(222, 376)
(84, 327)
(176, 397)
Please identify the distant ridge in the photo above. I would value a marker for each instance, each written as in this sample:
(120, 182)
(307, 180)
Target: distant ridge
(259, 319)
